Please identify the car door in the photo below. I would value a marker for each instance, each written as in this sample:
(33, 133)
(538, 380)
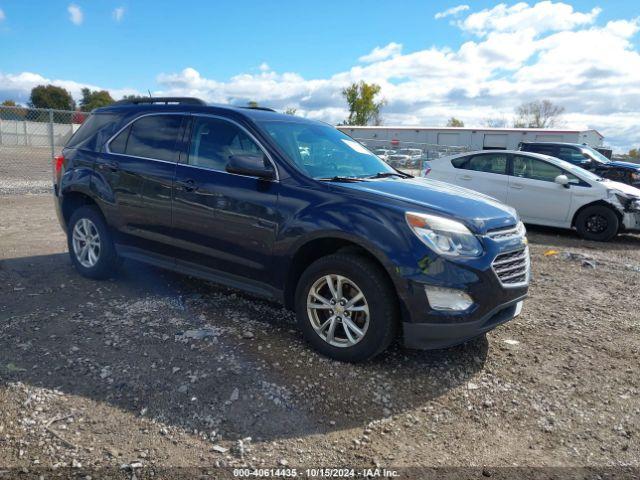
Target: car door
(534, 193)
(224, 223)
(484, 172)
(139, 163)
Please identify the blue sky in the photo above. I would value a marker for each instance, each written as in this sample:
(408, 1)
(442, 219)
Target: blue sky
(301, 53)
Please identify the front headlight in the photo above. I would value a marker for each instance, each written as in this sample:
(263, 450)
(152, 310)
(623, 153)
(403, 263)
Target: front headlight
(443, 235)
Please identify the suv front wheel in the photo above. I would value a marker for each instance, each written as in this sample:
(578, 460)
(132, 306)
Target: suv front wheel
(346, 307)
(90, 244)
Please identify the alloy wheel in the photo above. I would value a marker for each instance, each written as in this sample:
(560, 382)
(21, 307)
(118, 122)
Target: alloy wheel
(338, 310)
(86, 242)
(596, 224)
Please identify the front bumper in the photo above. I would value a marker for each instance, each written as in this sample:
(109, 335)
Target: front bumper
(427, 336)
(495, 282)
(631, 221)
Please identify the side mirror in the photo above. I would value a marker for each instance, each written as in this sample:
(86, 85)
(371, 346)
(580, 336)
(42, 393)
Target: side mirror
(562, 180)
(250, 165)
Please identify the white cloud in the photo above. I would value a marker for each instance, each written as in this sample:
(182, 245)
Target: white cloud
(451, 12)
(75, 14)
(118, 14)
(593, 70)
(542, 17)
(380, 53)
(2, 15)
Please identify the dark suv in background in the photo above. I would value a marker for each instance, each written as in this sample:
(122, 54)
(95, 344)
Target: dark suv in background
(293, 210)
(589, 159)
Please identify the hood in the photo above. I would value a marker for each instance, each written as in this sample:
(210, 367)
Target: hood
(479, 212)
(622, 187)
(630, 165)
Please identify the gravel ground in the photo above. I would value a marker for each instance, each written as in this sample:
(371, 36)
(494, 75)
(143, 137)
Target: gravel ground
(153, 371)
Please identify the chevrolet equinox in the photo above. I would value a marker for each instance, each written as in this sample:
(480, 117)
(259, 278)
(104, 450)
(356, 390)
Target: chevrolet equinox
(295, 211)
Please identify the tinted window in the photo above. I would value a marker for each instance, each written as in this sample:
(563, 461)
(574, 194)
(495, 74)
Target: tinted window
(119, 144)
(551, 150)
(490, 163)
(570, 155)
(527, 167)
(85, 136)
(154, 137)
(214, 141)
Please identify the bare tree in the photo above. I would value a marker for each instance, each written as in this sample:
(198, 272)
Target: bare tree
(538, 114)
(495, 122)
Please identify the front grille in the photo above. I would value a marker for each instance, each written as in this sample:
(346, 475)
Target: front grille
(507, 233)
(512, 268)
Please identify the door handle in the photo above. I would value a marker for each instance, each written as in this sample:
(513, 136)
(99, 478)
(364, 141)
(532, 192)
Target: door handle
(466, 177)
(188, 185)
(517, 186)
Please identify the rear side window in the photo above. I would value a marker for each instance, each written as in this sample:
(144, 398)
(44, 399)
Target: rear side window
(85, 136)
(154, 137)
(489, 163)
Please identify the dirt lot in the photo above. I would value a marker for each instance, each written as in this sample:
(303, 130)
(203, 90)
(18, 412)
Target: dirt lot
(152, 370)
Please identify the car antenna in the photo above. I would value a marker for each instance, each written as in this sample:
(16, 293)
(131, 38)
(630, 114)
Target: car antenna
(149, 93)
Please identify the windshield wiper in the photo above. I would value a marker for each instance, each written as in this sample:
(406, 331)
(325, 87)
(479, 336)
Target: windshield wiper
(338, 178)
(389, 174)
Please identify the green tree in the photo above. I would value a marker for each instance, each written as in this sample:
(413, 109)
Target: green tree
(363, 108)
(454, 122)
(252, 104)
(92, 99)
(538, 114)
(290, 111)
(633, 153)
(9, 103)
(50, 96)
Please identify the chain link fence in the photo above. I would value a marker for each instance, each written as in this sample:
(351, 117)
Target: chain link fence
(29, 139)
(410, 157)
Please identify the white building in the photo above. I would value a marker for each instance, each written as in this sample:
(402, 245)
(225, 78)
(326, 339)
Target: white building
(467, 138)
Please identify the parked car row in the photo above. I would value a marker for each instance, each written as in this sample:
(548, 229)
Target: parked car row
(546, 190)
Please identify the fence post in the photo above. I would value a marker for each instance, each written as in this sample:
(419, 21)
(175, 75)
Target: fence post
(53, 150)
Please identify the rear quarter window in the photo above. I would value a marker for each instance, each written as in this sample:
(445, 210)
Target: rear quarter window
(87, 136)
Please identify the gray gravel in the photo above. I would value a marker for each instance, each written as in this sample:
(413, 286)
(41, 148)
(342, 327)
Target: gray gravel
(153, 370)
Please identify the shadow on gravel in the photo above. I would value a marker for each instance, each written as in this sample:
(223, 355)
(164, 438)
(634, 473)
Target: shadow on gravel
(188, 354)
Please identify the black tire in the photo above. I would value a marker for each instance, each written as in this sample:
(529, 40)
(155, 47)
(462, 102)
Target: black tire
(597, 223)
(380, 296)
(107, 258)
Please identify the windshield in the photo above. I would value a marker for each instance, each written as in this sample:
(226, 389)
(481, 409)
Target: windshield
(595, 155)
(323, 151)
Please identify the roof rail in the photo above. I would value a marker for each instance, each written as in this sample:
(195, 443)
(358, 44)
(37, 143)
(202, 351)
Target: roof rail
(163, 100)
(266, 109)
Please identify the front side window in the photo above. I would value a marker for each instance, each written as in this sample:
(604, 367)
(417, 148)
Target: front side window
(571, 155)
(154, 137)
(215, 141)
(490, 163)
(322, 151)
(534, 169)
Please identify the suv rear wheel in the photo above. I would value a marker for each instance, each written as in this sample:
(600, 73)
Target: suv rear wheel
(90, 244)
(598, 223)
(346, 307)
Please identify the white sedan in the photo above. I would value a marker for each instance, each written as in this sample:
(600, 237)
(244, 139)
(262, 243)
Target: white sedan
(545, 190)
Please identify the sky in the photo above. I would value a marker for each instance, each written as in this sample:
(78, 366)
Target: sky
(433, 60)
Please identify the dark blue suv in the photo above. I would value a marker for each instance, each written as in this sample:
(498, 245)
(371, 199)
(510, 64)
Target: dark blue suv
(292, 210)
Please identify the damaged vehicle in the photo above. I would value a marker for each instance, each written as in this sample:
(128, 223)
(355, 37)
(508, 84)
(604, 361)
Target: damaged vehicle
(546, 190)
(295, 211)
